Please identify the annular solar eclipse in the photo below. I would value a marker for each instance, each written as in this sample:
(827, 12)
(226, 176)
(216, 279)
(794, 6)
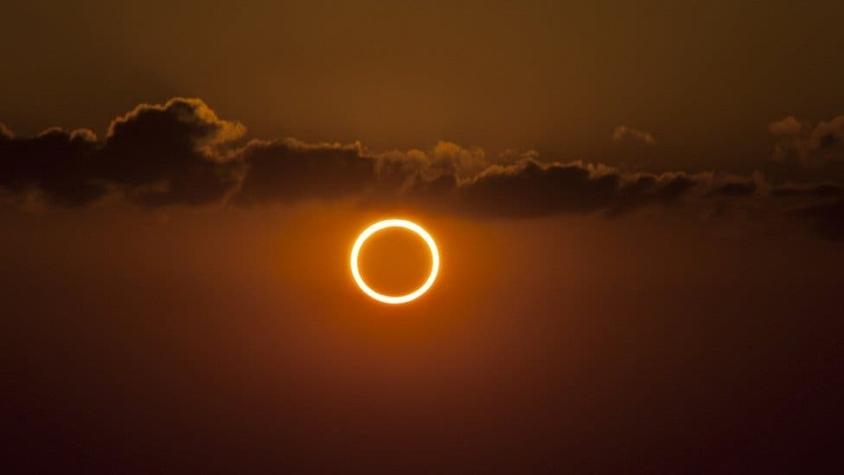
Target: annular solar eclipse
(380, 226)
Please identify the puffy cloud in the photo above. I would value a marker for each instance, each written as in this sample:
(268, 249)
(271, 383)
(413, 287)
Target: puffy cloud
(786, 126)
(5, 133)
(181, 152)
(800, 142)
(171, 153)
(450, 158)
(155, 155)
(446, 158)
(56, 163)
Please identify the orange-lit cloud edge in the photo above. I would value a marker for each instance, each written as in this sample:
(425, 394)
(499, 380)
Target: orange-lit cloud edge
(182, 153)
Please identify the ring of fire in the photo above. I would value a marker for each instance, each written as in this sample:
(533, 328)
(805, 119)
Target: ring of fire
(395, 223)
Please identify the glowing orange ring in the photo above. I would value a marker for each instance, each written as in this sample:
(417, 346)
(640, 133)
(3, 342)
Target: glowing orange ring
(395, 223)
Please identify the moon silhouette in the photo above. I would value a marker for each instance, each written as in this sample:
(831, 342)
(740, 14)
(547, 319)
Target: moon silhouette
(403, 224)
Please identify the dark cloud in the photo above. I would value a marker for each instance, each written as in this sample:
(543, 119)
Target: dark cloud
(171, 154)
(180, 152)
(155, 155)
(812, 146)
(290, 170)
(736, 188)
(56, 162)
(529, 188)
(642, 189)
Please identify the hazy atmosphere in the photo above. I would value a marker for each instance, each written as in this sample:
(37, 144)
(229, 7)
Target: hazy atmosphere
(638, 210)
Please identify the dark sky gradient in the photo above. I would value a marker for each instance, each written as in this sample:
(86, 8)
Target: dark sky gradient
(639, 208)
(704, 77)
(232, 342)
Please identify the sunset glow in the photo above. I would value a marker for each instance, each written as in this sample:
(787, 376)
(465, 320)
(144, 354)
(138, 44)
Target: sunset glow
(222, 229)
(386, 224)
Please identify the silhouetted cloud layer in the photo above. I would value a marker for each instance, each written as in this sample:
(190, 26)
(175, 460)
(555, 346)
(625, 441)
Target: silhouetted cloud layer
(290, 170)
(155, 155)
(181, 152)
(807, 144)
(529, 188)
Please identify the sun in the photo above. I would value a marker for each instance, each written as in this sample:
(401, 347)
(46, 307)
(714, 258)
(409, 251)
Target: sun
(403, 224)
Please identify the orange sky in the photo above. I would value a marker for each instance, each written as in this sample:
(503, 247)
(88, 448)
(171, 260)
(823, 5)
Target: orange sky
(198, 329)
(639, 209)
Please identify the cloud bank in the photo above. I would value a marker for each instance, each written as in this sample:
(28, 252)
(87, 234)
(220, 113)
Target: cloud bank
(182, 153)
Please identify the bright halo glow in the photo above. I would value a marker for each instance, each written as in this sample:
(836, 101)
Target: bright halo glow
(395, 223)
